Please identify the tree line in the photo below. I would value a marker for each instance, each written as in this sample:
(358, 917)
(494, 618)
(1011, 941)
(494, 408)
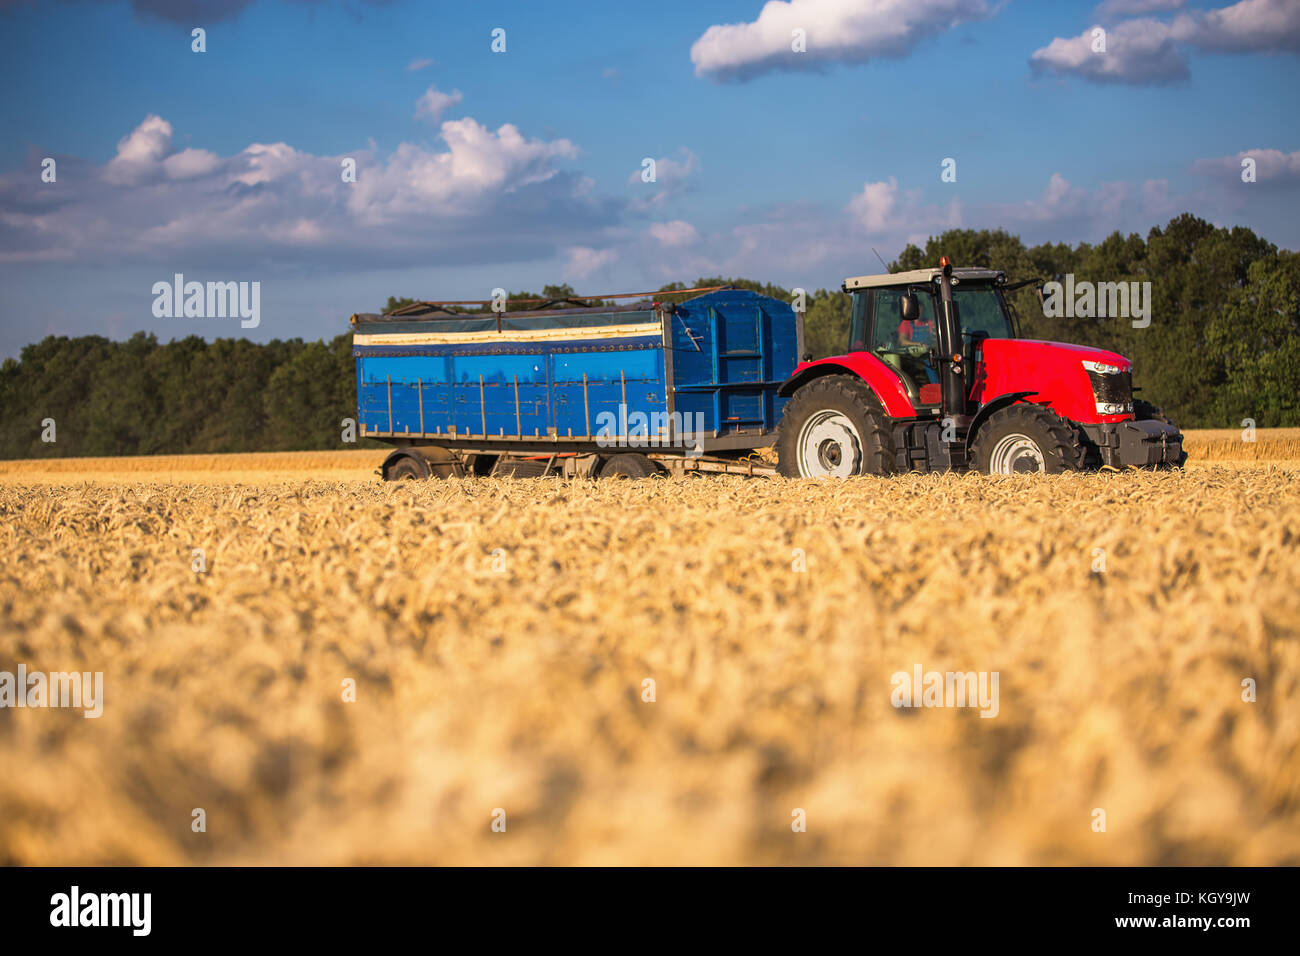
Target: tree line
(1223, 345)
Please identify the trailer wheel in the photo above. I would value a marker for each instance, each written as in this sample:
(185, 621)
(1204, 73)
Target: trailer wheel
(1025, 438)
(629, 465)
(405, 468)
(429, 462)
(834, 427)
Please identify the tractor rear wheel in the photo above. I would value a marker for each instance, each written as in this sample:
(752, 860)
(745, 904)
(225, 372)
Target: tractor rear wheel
(1025, 438)
(834, 427)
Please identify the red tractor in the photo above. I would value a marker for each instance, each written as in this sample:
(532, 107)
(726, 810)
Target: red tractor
(936, 378)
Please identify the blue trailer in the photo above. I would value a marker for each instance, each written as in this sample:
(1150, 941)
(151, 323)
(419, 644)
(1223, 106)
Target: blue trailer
(580, 389)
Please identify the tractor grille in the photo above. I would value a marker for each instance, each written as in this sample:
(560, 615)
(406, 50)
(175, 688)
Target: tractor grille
(1112, 391)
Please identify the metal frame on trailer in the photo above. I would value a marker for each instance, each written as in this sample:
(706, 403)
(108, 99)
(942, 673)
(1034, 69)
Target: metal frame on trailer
(572, 464)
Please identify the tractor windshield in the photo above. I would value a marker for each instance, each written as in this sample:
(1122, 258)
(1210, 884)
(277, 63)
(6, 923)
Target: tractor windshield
(982, 314)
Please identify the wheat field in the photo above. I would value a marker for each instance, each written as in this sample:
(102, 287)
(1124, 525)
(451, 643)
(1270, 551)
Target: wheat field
(498, 636)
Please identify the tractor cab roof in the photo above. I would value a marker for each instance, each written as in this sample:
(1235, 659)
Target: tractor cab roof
(857, 283)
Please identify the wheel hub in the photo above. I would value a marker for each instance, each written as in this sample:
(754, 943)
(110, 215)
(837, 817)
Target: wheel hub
(829, 446)
(1016, 454)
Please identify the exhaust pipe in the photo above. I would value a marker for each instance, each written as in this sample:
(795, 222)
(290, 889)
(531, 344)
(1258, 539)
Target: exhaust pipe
(952, 371)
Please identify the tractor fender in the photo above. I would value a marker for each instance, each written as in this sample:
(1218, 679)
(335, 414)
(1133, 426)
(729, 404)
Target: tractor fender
(394, 457)
(995, 405)
(863, 365)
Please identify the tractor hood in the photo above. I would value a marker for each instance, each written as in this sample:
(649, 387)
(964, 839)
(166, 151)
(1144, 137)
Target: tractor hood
(1077, 382)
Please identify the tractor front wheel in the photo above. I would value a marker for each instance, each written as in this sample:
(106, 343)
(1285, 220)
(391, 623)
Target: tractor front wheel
(834, 427)
(1023, 439)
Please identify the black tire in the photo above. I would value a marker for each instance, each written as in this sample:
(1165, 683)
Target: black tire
(1026, 438)
(405, 469)
(430, 461)
(629, 465)
(834, 427)
(1144, 411)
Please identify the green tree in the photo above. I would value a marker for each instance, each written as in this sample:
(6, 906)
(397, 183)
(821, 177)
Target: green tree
(1257, 336)
(394, 303)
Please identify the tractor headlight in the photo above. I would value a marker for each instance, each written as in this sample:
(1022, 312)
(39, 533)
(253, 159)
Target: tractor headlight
(1112, 388)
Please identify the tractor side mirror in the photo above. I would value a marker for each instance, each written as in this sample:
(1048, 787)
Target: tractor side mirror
(910, 308)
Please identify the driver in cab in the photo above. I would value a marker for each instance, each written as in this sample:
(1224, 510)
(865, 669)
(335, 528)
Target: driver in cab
(919, 331)
(917, 336)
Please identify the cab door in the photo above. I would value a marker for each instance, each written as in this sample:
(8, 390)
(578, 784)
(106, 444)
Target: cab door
(907, 347)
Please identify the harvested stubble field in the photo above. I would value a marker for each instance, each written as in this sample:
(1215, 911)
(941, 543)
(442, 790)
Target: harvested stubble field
(499, 633)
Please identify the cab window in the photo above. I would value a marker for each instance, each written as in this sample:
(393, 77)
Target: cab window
(859, 319)
(891, 331)
(981, 313)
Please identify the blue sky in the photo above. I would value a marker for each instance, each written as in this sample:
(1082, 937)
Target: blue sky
(771, 164)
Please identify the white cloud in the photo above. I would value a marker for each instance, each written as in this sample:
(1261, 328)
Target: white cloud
(1147, 52)
(267, 163)
(190, 163)
(874, 206)
(883, 210)
(484, 196)
(836, 31)
(672, 178)
(675, 233)
(477, 162)
(1137, 52)
(583, 261)
(434, 103)
(1271, 166)
(419, 63)
(1065, 212)
(140, 152)
(1251, 26)
(1060, 201)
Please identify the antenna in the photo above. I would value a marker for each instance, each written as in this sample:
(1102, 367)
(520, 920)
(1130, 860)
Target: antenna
(882, 261)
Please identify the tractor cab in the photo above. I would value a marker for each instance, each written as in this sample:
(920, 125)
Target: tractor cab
(896, 319)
